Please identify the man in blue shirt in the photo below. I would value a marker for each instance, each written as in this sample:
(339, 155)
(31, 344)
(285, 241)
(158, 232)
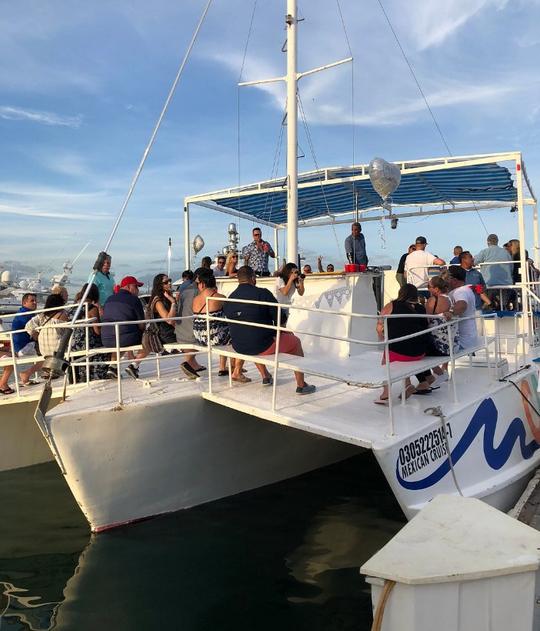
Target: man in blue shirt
(23, 345)
(474, 278)
(355, 246)
(251, 340)
(495, 274)
(457, 251)
(124, 306)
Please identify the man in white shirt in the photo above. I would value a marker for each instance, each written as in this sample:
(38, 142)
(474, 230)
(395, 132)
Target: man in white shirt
(463, 305)
(416, 266)
(219, 269)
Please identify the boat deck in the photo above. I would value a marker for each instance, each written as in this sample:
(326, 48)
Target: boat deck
(347, 412)
(342, 408)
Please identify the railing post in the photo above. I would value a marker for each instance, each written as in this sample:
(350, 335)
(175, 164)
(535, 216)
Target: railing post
(209, 345)
(87, 343)
(14, 359)
(118, 376)
(388, 376)
(452, 359)
(276, 359)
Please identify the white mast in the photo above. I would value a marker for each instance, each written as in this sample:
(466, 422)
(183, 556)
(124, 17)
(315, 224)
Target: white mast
(291, 79)
(292, 135)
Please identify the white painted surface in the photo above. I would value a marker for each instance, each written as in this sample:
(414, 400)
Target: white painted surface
(456, 539)
(459, 565)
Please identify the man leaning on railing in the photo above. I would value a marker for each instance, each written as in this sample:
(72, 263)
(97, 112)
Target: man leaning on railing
(250, 340)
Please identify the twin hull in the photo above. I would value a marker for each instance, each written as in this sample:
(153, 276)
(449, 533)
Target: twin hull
(144, 460)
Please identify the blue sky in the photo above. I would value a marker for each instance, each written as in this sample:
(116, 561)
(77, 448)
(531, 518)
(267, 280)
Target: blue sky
(81, 85)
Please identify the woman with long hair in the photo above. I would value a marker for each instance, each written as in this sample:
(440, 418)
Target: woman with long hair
(288, 282)
(219, 331)
(439, 343)
(231, 264)
(412, 349)
(99, 362)
(162, 304)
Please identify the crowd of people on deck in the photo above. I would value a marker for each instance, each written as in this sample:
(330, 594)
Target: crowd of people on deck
(452, 294)
(427, 288)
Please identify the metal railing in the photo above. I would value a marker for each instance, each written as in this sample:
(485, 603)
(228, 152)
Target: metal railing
(84, 357)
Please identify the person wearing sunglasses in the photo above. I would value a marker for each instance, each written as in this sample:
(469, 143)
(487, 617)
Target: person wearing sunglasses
(256, 254)
(231, 264)
(163, 305)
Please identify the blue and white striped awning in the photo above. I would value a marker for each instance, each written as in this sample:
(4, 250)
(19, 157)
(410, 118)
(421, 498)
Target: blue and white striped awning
(339, 191)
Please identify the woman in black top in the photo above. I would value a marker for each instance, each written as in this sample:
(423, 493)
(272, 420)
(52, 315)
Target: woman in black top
(412, 349)
(163, 305)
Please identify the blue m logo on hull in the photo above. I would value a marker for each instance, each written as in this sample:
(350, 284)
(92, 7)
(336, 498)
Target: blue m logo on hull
(496, 456)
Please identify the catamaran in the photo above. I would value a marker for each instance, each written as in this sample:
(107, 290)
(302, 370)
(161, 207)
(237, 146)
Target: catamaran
(131, 450)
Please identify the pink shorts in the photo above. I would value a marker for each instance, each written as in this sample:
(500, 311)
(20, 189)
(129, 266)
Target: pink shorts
(288, 343)
(398, 357)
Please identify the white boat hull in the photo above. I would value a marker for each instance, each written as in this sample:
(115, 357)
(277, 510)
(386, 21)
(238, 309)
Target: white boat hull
(21, 442)
(152, 458)
(494, 444)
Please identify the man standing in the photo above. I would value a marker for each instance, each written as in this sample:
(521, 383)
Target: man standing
(23, 344)
(251, 340)
(400, 272)
(120, 307)
(462, 298)
(219, 269)
(495, 274)
(355, 246)
(416, 266)
(257, 252)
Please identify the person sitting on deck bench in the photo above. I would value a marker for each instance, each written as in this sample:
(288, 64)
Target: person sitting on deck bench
(463, 304)
(409, 350)
(250, 340)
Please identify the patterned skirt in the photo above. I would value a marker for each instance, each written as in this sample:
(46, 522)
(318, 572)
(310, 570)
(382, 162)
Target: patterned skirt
(219, 331)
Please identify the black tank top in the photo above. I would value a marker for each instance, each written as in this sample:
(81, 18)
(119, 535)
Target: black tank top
(398, 327)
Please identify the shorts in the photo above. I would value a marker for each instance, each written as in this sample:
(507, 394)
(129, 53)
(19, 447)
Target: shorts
(288, 343)
(398, 357)
(27, 351)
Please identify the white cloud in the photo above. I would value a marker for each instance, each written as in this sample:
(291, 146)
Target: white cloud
(432, 23)
(36, 116)
(31, 212)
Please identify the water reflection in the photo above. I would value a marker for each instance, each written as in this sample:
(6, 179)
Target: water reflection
(286, 556)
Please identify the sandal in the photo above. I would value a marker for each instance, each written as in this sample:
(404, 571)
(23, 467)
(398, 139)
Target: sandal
(223, 373)
(410, 390)
(30, 382)
(241, 379)
(381, 401)
(7, 390)
(423, 392)
(200, 369)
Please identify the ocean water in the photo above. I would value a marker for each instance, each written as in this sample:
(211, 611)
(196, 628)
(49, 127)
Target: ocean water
(282, 557)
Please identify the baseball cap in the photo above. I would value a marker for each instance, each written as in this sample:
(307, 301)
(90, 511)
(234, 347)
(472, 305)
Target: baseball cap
(130, 280)
(421, 240)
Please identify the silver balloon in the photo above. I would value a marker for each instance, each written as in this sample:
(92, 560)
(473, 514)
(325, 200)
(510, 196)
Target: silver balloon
(385, 177)
(198, 244)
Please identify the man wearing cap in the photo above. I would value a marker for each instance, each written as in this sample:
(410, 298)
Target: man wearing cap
(124, 305)
(355, 246)
(417, 264)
